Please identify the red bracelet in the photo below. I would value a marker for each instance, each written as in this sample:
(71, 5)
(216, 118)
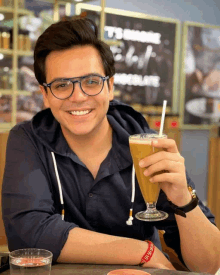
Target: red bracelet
(148, 254)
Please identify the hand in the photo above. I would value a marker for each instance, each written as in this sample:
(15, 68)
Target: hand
(158, 260)
(170, 164)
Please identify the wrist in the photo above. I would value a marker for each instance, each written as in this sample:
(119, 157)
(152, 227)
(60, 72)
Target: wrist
(184, 200)
(148, 254)
(182, 210)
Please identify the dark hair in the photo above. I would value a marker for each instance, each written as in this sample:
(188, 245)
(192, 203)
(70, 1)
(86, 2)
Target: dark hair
(65, 35)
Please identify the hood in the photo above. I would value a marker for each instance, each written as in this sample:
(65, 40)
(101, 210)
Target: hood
(48, 131)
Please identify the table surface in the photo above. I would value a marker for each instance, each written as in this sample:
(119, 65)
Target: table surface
(87, 269)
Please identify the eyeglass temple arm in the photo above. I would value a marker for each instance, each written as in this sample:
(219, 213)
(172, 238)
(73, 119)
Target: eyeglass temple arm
(45, 84)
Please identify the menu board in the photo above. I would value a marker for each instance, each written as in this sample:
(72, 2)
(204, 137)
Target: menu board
(201, 75)
(146, 59)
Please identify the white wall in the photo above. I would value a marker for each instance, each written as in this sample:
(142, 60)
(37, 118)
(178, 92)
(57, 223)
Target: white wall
(204, 11)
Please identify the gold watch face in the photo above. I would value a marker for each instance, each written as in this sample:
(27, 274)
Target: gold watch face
(192, 192)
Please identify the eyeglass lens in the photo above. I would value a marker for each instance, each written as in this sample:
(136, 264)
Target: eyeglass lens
(91, 85)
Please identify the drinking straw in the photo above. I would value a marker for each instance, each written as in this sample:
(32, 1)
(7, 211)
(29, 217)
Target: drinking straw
(162, 118)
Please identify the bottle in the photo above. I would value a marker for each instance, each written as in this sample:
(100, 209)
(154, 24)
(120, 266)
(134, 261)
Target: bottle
(6, 38)
(20, 40)
(8, 3)
(27, 41)
(0, 37)
(21, 4)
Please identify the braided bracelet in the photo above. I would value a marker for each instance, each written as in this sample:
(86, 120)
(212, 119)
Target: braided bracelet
(148, 254)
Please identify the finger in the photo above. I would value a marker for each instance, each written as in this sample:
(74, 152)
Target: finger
(165, 177)
(164, 165)
(162, 155)
(168, 144)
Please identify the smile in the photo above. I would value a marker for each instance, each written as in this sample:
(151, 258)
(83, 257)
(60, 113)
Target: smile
(80, 113)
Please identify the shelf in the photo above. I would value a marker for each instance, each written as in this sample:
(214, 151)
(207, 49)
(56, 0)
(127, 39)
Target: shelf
(25, 53)
(6, 9)
(5, 92)
(20, 53)
(19, 11)
(25, 12)
(5, 127)
(6, 51)
(22, 92)
(10, 92)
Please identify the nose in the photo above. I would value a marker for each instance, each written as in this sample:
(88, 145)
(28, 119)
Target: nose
(77, 94)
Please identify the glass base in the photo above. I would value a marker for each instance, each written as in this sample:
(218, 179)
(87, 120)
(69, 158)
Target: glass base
(153, 216)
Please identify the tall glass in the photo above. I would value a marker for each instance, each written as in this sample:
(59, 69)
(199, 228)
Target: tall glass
(141, 147)
(30, 261)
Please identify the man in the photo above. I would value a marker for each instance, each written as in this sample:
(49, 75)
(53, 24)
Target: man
(73, 159)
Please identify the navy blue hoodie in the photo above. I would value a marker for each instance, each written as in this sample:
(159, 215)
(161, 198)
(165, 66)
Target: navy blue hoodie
(31, 198)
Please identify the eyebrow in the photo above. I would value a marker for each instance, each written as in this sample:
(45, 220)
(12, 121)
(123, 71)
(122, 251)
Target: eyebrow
(62, 78)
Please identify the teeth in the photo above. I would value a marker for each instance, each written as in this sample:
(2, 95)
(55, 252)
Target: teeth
(79, 113)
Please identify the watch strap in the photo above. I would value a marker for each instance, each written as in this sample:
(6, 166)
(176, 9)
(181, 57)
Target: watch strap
(186, 208)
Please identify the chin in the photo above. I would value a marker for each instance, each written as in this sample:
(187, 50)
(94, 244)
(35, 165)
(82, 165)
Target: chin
(82, 134)
(79, 132)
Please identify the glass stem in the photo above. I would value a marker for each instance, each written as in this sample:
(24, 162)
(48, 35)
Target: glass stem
(151, 207)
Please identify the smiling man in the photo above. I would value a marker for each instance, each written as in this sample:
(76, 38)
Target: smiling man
(67, 181)
(80, 104)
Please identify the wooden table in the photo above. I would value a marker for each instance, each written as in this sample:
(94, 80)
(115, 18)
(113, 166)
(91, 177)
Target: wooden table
(87, 269)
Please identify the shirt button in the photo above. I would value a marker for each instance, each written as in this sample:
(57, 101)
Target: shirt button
(90, 195)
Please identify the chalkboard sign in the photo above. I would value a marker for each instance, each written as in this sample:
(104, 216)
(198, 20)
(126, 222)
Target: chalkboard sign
(145, 61)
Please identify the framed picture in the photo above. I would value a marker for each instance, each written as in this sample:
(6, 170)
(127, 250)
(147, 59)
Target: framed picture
(200, 76)
(146, 60)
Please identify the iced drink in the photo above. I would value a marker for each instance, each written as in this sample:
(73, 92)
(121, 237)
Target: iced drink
(140, 147)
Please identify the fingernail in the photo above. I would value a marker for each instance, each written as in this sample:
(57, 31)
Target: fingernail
(155, 142)
(150, 179)
(141, 163)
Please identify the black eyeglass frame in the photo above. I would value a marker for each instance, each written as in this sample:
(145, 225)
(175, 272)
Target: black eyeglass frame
(104, 78)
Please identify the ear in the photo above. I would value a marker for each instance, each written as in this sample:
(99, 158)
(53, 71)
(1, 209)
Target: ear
(45, 96)
(111, 88)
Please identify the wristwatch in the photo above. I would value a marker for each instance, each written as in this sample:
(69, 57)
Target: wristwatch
(188, 207)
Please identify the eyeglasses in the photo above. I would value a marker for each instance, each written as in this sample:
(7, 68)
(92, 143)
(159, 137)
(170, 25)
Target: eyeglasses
(90, 85)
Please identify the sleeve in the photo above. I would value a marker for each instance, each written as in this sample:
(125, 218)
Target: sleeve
(171, 235)
(28, 207)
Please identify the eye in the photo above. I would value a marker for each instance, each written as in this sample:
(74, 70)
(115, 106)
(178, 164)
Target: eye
(61, 85)
(91, 81)
(94, 80)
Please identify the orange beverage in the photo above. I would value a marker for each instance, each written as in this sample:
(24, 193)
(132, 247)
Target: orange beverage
(140, 147)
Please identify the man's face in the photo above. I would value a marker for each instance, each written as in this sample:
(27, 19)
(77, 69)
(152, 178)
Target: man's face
(76, 62)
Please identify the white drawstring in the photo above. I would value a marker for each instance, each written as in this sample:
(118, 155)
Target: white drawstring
(130, 219)
(59, 184)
